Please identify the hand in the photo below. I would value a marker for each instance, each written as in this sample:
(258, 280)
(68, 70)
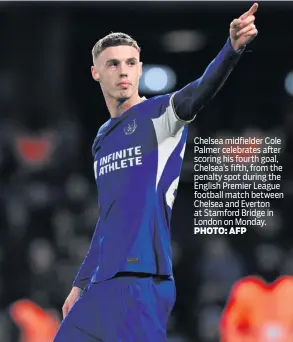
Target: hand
(243, 30)
(70, 300)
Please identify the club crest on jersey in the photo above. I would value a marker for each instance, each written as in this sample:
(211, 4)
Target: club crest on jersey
(130, 128)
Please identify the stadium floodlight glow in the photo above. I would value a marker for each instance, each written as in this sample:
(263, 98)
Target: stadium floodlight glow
(289, 83)
(183, 41)
(157, 79)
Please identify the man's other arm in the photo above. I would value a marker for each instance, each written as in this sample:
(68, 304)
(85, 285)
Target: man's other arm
(84, 274)
(90, 262)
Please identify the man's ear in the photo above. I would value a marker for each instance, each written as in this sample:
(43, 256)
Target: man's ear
(95, 74)
(140, 71)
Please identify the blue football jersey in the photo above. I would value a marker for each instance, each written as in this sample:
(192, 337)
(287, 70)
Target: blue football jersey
(137, 162)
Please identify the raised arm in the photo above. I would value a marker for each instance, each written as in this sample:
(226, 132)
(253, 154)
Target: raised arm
(188, 101)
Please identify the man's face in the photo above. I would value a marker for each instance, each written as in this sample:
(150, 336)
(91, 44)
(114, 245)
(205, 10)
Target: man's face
(118, 70)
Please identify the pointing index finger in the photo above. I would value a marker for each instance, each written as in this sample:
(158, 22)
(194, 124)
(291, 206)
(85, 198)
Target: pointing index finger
(251, 11)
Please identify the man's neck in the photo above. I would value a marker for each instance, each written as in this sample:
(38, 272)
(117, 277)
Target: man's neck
(118, 107)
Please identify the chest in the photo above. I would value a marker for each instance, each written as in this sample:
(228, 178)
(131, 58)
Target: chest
(125, 147)
(131, 138)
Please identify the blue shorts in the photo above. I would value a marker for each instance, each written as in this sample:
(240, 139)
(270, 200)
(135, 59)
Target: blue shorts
(122, 309)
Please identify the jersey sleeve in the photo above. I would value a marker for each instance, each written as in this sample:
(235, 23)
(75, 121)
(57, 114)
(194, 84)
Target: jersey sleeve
(182, 106)
(90, 261)
(161, 111)
(89, 264)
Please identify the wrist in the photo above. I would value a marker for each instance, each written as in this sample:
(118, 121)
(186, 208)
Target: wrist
(235, 46)
(76, 289)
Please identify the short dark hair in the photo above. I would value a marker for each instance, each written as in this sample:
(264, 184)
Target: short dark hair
(113, 39)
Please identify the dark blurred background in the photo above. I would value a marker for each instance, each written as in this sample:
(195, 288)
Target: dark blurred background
(51, 109)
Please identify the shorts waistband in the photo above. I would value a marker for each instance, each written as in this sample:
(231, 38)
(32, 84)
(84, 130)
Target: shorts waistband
(142, 275)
